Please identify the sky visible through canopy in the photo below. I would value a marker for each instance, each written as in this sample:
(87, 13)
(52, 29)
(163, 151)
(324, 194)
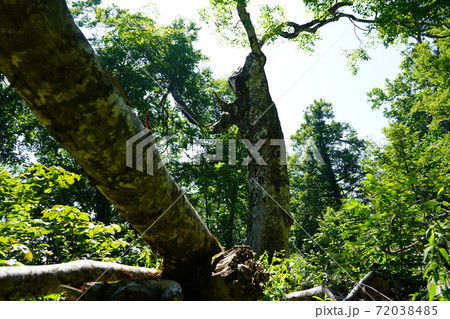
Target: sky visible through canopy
(297, 78)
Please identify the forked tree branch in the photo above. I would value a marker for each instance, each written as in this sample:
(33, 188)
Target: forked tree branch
(314, 25)
(291, 30)
(244, 16)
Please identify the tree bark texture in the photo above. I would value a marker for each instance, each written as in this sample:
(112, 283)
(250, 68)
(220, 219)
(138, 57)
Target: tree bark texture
(235, 275)
(255, 114)
(36, 281)
(52, 66)
(130, 290)
(269, 223)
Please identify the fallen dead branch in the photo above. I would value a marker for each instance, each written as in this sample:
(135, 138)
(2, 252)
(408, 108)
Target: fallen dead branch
(130, 290)
(35, 281)
(234, 275)
(316, 293)
(372, 286)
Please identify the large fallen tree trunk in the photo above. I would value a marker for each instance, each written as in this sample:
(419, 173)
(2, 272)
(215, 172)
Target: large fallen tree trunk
(49, 62)
(35, 281)
(235, 276)
(130, 290)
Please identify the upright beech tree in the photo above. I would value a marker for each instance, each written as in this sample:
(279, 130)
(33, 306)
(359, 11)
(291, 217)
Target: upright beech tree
(254, 111)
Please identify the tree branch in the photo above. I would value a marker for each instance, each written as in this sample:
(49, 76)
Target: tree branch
(63, 83)
(226, 107)
(222, 125)
(314, 25)
(429, 35)
(183, 106)
(366, 286)
(130, 290)
(337, 6)
(309, 294)
(35, 281)
(402, 249)
(234, 275)
(244, 16)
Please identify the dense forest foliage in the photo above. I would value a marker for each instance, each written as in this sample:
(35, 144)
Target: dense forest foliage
(357, 206)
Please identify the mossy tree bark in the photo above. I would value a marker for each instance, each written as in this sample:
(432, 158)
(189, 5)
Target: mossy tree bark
(255, 114)
(36, 281)
(51, 65)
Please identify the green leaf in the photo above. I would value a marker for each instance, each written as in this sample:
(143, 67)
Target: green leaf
(29, 255)
(115, 245)
(53, 214)
(429, 268)
(84, 216)
(352, 204)
(432, 292)
(444, 253)
(431, 239)
(425, 253)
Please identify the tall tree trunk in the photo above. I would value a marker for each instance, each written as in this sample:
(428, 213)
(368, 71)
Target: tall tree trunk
(255, 114)
(269, 223)
(330, 176)
(232, 216)
(207, 210)
(52, 66)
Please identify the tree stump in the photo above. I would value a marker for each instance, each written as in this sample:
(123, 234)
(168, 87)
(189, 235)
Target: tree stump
(236, 276)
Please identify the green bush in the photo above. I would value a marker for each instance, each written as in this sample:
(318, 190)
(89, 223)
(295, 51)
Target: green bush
(31, 235)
